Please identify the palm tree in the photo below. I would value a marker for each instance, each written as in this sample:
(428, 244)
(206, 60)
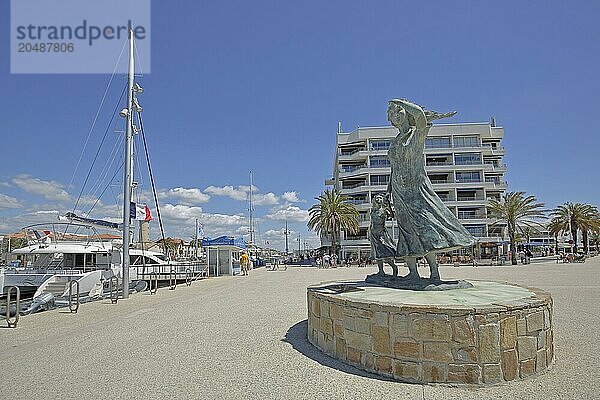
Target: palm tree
(517, 211)
(572, 217)
(555, 228)
(331, 215)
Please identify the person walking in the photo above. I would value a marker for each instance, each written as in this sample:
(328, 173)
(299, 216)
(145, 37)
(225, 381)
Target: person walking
(244, 261)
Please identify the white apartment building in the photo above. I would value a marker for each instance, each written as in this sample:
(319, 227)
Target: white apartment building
(463, 161)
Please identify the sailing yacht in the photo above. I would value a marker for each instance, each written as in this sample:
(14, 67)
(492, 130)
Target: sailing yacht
(61, 253)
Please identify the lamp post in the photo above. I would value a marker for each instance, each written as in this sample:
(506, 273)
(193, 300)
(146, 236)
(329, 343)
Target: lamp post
(286, 232)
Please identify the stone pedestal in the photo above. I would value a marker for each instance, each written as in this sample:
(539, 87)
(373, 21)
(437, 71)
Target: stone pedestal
(490, 333)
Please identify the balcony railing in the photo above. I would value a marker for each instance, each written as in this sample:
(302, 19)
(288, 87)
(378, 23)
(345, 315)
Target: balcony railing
(439, 181)
(354, 185)
(357, 201)
(463, 215)
(462, 146)
(351, 152)
(468, 180)
(437, 163)
(361, 237)
(352, 168)
(469, 198)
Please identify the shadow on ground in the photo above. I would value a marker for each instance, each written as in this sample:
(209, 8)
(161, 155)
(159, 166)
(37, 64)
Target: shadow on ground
(296, 336)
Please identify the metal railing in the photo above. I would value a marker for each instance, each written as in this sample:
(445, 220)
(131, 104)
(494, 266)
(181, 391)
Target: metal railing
(172, 280)
(353, 151)
(153, 278)
(188, 277)
(73, 307)
(470, 198)
(113, 289)
(13, 321)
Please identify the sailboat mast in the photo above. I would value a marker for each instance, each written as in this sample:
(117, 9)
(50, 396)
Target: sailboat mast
(128, 173)
(251, 209)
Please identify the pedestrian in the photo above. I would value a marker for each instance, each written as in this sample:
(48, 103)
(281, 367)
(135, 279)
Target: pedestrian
(244, 261)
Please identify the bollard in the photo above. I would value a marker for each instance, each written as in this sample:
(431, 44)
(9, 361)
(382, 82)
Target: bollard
(188, 277)
(172, 280)
(73, 308)
(153, 277)
(114, 289)
(12, 322)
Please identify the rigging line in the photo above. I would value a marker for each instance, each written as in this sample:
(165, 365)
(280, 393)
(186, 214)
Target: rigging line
(97, 114)
(106, 169)
(97, 152)
(106, 187)
(162, 230)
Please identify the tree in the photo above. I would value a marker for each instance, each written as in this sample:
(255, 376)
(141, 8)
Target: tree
(331, 215)
(517, 211)
(572, 217)
(555, 228)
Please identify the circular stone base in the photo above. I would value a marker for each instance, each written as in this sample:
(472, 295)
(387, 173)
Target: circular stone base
(489, 333)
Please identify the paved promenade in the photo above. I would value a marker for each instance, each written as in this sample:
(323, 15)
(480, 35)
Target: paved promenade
(245, 337)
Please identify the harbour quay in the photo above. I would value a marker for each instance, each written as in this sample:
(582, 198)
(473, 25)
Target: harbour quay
(246, 338)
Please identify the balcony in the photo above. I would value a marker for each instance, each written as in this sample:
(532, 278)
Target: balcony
(353, 185)
(470, 198)
(355, 170)
(357, 154)
(471, 215)
(357, 202)
(356, 238)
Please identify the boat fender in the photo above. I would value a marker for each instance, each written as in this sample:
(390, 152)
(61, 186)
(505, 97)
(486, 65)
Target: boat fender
(43, 302)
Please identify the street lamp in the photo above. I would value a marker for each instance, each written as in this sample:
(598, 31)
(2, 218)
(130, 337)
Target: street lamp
(286, 232)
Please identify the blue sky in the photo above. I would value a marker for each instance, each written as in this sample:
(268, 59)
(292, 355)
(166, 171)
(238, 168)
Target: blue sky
(239, 86)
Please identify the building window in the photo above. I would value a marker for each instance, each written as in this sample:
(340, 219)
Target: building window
(379, 161)
(476, 230)
(467, 159)
(380, 144)
(437, 143)
(468, 177)
(466, 141)
(379, 180)
(493, 179)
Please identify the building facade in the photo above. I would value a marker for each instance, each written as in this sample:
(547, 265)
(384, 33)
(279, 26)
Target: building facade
(463, 161)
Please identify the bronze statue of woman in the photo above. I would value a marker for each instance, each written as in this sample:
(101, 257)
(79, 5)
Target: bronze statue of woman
(426, 225)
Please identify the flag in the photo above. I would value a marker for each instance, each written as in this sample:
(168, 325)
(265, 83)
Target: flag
(139, 212)
(200, 231)
(39, 235)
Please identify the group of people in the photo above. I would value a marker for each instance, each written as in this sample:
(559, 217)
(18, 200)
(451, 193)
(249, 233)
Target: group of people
(327, 261)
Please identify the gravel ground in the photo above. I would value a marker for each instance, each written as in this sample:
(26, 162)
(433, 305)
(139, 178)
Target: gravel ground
(245, 337)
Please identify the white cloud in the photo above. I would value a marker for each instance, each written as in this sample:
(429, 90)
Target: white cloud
(5, 184)
(291, 197)
(9, 202)
(50, 190)
(240, 193)
(267, 199)
(185, 196)
(15, 223)
(89, 200)
(288, 213)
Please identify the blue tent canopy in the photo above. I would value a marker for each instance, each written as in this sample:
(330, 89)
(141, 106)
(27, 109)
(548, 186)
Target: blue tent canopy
(224, 241)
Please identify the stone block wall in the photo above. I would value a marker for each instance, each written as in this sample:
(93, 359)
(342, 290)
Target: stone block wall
(420, 344)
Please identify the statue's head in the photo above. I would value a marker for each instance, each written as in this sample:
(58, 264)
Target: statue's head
(396, 113)
(378, 200)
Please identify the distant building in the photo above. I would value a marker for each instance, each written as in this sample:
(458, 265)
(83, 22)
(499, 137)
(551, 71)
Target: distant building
(463, 161)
